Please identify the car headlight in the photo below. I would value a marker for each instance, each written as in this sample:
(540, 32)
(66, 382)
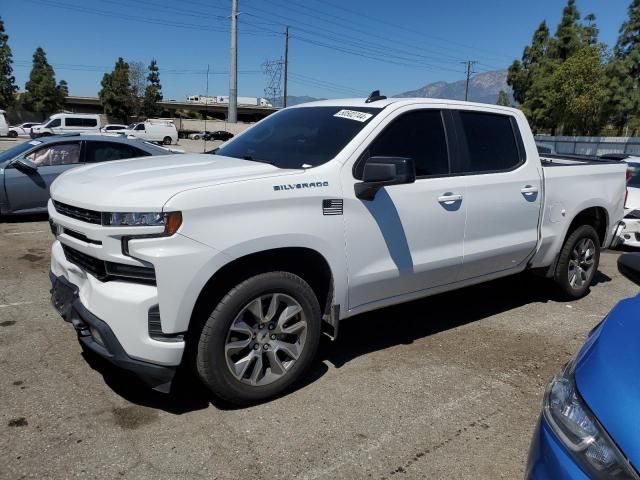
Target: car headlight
(580, 431)
(170, 220)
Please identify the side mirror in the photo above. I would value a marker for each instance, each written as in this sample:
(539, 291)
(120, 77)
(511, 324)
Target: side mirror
(25, 164)
(629, 266)
(384, 171)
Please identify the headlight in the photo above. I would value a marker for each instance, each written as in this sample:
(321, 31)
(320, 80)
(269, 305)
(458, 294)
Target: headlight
(580, 431)
(171, 220)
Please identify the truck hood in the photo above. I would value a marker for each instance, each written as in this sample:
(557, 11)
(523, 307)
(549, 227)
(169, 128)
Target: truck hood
(608, 377)
(147, 183)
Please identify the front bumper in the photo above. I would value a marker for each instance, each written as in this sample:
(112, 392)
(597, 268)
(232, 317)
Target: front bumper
(98, 337)
(548, 458)
(629, 234)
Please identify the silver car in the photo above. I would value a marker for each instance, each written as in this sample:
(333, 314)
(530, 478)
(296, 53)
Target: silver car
(28, 169)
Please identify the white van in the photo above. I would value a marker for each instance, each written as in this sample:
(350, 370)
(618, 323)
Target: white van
(67, 123)
(161, 131)
(4, 127)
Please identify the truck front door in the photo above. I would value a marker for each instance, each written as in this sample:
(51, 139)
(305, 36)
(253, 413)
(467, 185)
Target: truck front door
(503, 193)
(409, 238)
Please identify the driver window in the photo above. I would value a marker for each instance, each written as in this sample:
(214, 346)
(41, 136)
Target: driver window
(54, 123)
(140, 126)
(419, 135)
(59, 154)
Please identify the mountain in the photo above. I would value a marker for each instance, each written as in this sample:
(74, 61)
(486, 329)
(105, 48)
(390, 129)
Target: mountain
(293, 100)
(483, 88)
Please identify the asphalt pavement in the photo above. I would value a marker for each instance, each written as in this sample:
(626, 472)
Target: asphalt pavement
(445, 387)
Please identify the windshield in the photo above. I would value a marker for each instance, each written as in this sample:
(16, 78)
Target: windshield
(17, 150)
(634, 168)
(300, 137)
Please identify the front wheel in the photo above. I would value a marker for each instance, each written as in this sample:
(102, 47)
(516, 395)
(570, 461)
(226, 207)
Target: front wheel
(167, 141)
(260, 338)
(12, 134)
(578, 262)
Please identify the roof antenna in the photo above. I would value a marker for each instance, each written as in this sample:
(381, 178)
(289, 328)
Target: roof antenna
(374, 97)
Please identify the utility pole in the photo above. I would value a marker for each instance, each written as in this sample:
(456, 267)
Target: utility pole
(232, 116)
(206, 111)
(469, 67)
(286, 64)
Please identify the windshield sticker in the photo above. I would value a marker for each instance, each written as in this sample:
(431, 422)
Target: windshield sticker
(354, 115)
(35, 142)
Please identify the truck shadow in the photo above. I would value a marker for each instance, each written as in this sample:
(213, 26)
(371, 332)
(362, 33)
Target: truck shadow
(360, 335)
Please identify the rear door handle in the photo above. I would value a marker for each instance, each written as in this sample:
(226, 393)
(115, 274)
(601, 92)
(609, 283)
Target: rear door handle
(449, 197)
(528, 190)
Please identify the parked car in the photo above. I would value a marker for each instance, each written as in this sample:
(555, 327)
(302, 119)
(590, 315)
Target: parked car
(198, 135)
(22, 130)
(28, 169)
(113, 127)
(4, 127)
(589, 422)
(630, 234)
(219, 135)
(67, 123)
(238, 261)
(161, 131)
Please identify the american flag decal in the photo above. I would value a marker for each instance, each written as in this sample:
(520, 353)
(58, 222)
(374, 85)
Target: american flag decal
(332, 207)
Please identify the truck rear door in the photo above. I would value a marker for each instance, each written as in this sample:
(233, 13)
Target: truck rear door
(503, 192)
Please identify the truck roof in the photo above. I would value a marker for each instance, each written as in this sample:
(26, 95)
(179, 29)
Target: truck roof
(361, 102)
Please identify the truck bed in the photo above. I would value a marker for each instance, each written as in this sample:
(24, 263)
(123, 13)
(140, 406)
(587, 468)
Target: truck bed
(554, 160)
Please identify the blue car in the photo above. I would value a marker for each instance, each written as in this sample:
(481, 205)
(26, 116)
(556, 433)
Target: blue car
(590, 424)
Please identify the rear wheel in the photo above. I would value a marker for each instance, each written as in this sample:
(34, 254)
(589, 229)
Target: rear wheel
(260, 338)
(167, 141)
(578, 262)
(12, 134)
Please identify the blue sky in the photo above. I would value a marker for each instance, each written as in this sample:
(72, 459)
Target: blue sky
(337, 48)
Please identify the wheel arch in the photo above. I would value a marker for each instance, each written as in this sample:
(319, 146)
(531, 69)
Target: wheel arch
(597, 217)
(305, 262)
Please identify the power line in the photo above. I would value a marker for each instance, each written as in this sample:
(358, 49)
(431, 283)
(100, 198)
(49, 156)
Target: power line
(403, 28)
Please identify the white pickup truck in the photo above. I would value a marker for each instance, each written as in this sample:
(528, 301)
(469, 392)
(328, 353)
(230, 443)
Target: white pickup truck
(236, 262)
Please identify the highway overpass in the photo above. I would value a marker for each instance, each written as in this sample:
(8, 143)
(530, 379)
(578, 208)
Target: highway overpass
(175, 109)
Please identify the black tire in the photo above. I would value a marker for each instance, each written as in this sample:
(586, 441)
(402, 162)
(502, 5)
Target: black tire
(167, 141)
(211, 361)
(561, 274)
(196, 137)
(12, 134)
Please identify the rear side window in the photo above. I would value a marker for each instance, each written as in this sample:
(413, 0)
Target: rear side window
(105, 151)
(73, 122)
(419, 135)
(89, 122)
(491, 143)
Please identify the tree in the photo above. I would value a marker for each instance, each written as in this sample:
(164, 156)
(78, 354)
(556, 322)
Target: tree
(153, 92)
(138, 81)
(580, 91)
(568, 34)
(42, 95)
(8, 86)
(503, 99)
(624, 71)
(528, 79)
(116, 95)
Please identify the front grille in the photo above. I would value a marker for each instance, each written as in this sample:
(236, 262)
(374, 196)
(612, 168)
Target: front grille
(89, 216)
(106, 271)
(633, 215)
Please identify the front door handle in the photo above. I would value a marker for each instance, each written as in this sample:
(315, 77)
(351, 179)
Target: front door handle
(528, 190)
(449, 198)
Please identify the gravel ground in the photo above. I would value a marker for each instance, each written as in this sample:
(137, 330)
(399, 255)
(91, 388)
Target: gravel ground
(446, 387)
